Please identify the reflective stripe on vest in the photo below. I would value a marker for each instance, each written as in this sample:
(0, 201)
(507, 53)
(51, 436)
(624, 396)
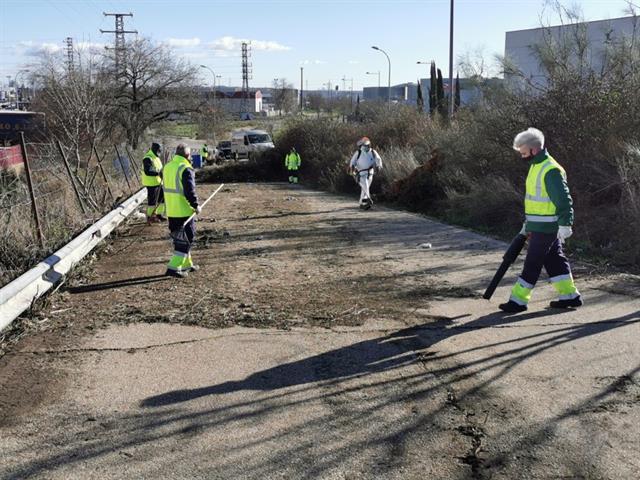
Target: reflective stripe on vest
(541, 218)
(177, 182)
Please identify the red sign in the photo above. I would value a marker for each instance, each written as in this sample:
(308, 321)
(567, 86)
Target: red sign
(10, 157)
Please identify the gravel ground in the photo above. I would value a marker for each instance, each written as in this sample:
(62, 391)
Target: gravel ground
(317, 341)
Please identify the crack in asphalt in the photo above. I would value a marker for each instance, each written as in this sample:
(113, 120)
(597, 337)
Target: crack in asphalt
(288, 332)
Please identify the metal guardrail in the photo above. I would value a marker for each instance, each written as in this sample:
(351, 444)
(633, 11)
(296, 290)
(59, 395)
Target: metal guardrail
(18, 295)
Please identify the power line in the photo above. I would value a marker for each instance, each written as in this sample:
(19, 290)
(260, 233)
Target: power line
(119, 44)
(70, 63)
(245, 76)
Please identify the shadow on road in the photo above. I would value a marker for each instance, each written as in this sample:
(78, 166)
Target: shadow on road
(118, 284)
(354, 427)
(380, 354)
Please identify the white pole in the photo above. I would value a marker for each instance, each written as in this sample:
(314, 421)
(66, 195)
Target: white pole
(205, 202)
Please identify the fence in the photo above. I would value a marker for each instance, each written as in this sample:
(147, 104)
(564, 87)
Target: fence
(48, 193)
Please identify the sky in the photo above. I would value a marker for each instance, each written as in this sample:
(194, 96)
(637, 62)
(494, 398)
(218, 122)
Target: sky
(331, 39)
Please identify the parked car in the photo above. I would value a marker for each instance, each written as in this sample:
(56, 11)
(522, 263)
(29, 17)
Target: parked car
(223, 151)
(246, 143)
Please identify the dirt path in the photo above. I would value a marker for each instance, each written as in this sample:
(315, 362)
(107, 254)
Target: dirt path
(319, 341)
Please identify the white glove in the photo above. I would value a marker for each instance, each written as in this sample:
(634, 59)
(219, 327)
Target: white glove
(198, 209)
(523, 230)
(564, 233)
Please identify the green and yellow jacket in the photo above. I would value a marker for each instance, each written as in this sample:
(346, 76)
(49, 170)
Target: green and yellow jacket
(548, 202)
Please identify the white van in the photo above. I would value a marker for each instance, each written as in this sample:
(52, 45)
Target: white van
(244, 143)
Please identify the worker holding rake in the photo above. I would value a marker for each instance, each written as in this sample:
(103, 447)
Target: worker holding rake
(181, 206)
(152, 179)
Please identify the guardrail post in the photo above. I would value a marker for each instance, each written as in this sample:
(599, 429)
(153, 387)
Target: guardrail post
(34, 206)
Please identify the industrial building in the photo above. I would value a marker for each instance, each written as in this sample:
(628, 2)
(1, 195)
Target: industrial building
(520, 45)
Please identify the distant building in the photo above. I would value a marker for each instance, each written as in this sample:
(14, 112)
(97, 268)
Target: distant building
(399, 93)
(408, 92)
(233, 102)
(520, 44)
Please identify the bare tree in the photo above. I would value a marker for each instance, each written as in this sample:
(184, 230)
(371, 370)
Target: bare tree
(153, 86)
(284, 96)
(316, 102)
(74, 103)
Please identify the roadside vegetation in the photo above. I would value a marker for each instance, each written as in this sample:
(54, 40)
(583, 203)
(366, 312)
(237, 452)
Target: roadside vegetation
(463, 170)
(98, 111)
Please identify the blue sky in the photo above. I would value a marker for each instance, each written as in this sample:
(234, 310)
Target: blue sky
(331, 39)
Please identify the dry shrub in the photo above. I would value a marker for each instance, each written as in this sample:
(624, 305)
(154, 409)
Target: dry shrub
(60, 215)
(489, 204)
(623, 244)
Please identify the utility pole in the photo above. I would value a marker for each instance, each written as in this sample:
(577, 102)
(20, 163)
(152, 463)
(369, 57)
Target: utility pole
(70, 63)
(451, 62)
(344, 87)
(119, 44)
(351, 94)
(246, 71)
(301, 89)
(389, 84)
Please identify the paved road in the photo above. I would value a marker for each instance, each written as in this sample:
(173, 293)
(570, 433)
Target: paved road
(319, 341)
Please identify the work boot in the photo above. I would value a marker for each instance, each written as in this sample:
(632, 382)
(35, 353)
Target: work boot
(193, 268)
(512, 307)
(175, 273)
(573, 303)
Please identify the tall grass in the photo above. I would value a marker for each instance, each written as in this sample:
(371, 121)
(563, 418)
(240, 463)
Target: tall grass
(60, 215)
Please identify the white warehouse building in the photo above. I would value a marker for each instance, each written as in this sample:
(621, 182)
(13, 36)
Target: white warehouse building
(519, 43)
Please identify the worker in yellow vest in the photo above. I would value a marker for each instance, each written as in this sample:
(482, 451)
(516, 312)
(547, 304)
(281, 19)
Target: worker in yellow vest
(292, 162)
(548, 209)
(204, 154)
(152, 179)
(181, 200)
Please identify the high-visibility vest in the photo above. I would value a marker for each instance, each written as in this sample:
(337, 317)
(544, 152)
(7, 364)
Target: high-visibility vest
(204, 152)
(292, 161)
(538, 207)
(152, 180)
(176, 203)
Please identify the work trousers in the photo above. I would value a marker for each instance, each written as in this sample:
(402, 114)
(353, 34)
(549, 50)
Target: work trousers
(182, 241)
(155, 201)
(364, 177)
(545, 250)
(293, 175)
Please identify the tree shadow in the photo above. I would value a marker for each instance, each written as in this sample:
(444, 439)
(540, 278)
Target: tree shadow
(117, 284)
(334, 377)
(389, 352)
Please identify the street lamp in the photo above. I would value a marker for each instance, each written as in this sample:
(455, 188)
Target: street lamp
(215, 102)
(375, 73)
(212, 73)
(451, 61)
(15, 85)
(389, 85)
(419, 62)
